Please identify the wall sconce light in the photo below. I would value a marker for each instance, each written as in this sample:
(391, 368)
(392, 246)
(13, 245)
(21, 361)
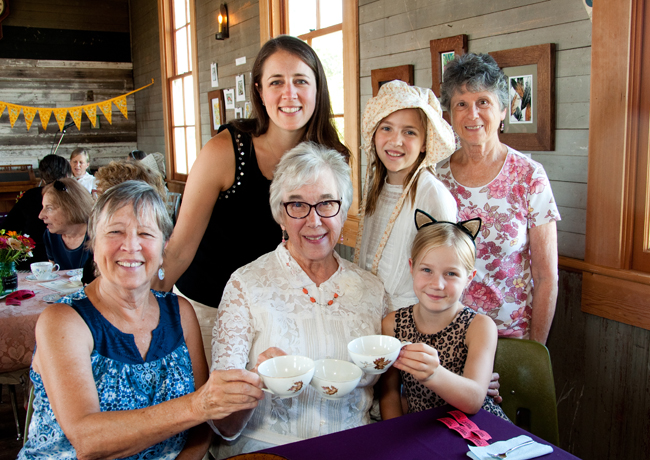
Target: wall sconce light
(222, 31)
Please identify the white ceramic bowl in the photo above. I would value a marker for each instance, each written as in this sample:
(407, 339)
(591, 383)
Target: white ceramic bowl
(334, 378)
(374, 354)
(286, 376)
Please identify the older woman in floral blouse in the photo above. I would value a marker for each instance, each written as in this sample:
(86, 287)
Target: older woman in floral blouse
(516, 251)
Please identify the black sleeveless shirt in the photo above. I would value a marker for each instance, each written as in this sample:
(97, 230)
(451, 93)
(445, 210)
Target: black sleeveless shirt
(240, 230)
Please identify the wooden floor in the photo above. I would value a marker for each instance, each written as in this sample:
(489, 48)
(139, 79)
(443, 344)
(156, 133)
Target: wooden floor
(9, 446)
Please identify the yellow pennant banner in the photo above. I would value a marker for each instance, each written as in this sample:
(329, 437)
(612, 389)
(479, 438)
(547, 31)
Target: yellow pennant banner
(60, 114)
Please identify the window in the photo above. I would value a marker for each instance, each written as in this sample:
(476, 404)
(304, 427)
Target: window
(180, 96)
(331, 27)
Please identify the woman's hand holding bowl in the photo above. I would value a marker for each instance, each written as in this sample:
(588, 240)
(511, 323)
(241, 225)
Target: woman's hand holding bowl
(227, 392)
(419, 360)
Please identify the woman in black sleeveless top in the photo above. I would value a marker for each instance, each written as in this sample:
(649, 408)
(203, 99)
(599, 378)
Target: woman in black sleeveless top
(225, 220)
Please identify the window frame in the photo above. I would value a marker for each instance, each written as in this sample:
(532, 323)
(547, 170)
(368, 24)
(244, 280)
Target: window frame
(619, 155)
(167, 43)
(272, 23)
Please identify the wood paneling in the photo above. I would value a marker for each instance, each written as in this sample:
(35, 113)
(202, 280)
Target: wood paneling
(65, 84)
(601, 373)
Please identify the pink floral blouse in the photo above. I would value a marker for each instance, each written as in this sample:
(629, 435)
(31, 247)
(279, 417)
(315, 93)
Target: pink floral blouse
(519, 198)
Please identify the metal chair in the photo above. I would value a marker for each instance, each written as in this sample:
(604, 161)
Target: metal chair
(28, 415)
(12, 379)
(527, 386)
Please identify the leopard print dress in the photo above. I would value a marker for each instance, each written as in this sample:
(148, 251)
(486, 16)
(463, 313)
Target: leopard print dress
(452, 351)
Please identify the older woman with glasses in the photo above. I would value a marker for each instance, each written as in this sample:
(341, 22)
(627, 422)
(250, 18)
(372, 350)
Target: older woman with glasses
(66, 208)
(301, 299)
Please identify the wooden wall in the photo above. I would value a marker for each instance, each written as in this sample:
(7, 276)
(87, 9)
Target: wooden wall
(146, 65)
(396, 33)
(602, 370)
(66, 68)
(64, 84)
(244, 41)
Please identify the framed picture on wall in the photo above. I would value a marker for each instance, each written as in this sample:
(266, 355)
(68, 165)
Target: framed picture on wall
(240, 87)
(444, 50)
(530, 115)
(217, 110)
(229, 96)
(381, 76)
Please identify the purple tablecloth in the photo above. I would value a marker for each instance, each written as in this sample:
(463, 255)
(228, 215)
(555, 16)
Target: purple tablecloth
(414, 436)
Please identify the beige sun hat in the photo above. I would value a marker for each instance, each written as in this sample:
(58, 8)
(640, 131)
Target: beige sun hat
(440, 143)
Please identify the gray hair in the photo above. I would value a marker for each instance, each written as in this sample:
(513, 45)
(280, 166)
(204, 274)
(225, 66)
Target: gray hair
(303, 165)
(144, 199)
(477, 72)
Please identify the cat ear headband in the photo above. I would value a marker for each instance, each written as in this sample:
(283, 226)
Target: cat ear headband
(471, 226)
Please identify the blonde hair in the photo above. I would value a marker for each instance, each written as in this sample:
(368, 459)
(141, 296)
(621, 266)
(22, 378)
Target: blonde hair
(444, 234)
(380, 172)
(80, 151)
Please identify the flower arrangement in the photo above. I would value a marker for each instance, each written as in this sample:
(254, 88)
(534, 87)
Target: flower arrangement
(14, 246)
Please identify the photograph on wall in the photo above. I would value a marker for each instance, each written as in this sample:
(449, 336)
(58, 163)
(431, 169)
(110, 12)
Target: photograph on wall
(521, 99)
(239, 86)
(229, 96)
(446, 58)
(248, 109)
(216, 113)
(213, 75)
(238, 112)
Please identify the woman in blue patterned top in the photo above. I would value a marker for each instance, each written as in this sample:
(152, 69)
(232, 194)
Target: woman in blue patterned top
(115, 372)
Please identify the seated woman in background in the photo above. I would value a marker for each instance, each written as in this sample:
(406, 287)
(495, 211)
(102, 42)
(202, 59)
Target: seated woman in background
(23, 217)
(121, 372)
(66, 208)
(301, 299)
(79, 161)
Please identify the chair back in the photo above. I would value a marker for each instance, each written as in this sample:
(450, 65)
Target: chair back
(173, 203)
(527, 387)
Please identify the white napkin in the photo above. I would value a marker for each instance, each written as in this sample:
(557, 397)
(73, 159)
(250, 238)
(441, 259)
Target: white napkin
(523, 453)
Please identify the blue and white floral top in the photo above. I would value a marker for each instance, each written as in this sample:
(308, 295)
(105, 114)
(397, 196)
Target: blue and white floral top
(124, 380)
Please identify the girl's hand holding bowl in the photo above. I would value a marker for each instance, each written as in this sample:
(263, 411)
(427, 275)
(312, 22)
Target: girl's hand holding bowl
(419, 360)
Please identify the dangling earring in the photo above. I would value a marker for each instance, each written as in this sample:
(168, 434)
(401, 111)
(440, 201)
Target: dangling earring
(285, 235)
(503, 126)
(342, 238)
(161, 273)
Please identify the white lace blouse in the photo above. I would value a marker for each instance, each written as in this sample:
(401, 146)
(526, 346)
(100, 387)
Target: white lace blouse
(432, 197)
(264, 305)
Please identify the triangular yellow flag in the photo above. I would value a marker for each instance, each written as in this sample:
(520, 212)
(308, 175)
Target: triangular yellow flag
(14, 111)
(91, 113)
(29, 113)
(60, 115)
(120, 102)
(75, 113)
(44, 115)
(106, 110)
(2, 108)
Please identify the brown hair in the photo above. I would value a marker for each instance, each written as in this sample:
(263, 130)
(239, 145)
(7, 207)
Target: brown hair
(380, 172)
(444, 234)
(320, 128)
(75, 201)
(117, 172)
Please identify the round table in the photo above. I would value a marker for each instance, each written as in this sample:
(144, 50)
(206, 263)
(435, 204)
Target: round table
(18, 322)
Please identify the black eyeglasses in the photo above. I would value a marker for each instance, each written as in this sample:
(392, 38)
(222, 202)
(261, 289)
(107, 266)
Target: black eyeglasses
(60, 186)
(300, 209)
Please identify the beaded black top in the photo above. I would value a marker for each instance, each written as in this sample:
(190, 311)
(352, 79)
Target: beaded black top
(241, 228)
